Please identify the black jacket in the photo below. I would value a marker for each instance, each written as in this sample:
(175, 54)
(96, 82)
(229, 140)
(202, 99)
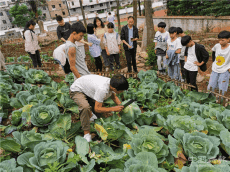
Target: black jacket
(201, 54)
(125, 36)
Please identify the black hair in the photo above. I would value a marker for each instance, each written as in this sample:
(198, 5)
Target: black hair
(109, 13)
(185, 40)
(172, 30)
(110, 25)
(119, 82)
(162, 24)
(90, 27)
(130, 17)
(80, 22)
(95, 21)
(224, 34)
(28, 23)
(78, 27)
(179, 30)
(59, 18)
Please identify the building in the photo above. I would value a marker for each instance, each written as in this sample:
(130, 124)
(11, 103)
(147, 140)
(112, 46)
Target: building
(57, 7)
(5, 20)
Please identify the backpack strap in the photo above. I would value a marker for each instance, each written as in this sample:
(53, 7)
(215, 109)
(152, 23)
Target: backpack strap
(31, 35)
(116, 35)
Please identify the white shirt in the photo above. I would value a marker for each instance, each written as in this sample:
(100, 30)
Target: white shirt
(191, 58)
(224, 56)
(182, 50)
(175, 45)
(112, 42)
(59, 54)
(161, 37)
(94, 86)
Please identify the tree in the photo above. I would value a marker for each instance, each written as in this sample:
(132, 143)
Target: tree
(139, 6)
(149, 21)
(135, 12)
(118, 17)
(83, 13)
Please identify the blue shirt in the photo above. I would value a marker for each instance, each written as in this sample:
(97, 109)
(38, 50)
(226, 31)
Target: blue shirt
(95, 49)
(130, 36)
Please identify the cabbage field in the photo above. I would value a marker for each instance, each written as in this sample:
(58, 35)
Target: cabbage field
(40, 132)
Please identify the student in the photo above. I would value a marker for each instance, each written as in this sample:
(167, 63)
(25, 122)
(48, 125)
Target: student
(95, 49)
(180, 34)
(63, 30)
(221, 66)
(112, 44)
(101, 29)
(160, 40)
(31, 43)
(195, 56)
(90, 91)
(129, 37)
(173, 50)
(73, 53)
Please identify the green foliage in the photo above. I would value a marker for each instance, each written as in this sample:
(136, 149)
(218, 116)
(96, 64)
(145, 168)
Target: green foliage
(198, 8)
(10, 165)
(36, 76)
(69, 78)
(18, 12)
(152, 58)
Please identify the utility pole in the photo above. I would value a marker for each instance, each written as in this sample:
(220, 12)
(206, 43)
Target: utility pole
(139, 5)
(67, 7)
(83, 13)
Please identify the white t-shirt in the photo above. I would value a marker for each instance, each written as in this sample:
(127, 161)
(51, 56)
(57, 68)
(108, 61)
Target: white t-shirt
(191, 58)
(182, 50)
(223, 56)
(161, 37)
(175, 45)
(94, 86)
(59, 54)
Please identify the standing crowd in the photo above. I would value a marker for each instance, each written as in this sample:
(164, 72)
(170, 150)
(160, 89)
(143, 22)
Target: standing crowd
(182, 57)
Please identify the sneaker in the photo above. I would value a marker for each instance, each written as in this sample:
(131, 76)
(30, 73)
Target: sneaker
(88, 137)
(93, 117)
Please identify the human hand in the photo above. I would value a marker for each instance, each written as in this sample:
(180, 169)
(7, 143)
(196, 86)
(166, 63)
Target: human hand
(129, 46)
(108, 54)
(90, 44)
(197, 63)
(167, 56)
(155, 51)
(229, 70)
(118, 108)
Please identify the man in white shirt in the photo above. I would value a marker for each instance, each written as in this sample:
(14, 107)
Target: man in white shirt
(89, 88)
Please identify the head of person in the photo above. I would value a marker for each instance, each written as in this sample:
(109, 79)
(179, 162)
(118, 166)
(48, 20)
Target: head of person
(77, 31)
(30, 25)
(110, 27)
(179, 31)
(118, 83)
(90, 28)
(109, 13)
(161, 27)
(172, 32)
(187, 41)
(130, 21)
(223, 37)
(60, 20)
(98, 22)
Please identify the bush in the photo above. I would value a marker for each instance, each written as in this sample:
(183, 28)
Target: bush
(152, 58)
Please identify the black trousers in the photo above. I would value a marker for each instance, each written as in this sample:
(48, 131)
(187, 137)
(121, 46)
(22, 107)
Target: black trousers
(191, 78)
(182, 69)
(131, 59)
(98, 63)
(111, 61)
(36, 58)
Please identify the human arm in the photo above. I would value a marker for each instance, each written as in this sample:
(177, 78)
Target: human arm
(205, 54)
(126, 43)
(99, 109)
(166, 52)
(84, 42)
(72, 61)
(94, 40)
(115, 99)
(178, 51)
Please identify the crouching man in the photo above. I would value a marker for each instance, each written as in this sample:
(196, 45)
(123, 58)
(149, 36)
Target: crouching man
(89, 92)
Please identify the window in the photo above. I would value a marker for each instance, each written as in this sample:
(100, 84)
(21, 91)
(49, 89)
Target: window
(44, 8)
(2, 3)
(13, 0)
(63, 2)
(44, 15)
(12, 33)
(63, 12)
(59, 5)
(56, 15)
(4, 21)
(92, 6)
(74, 9)
(1, 14)
(90, 0)
(101, 5)
(111, 3)
(53, 6)
(72, 3)
(9, 34)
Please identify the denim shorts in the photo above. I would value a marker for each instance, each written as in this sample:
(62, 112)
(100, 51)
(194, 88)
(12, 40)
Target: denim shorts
(219, 80)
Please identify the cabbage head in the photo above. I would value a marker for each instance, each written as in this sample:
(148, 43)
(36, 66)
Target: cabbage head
(43, 154)
(10, 166)
(17, 72)
(130, 113)
(195, 145)
(44, 115)
(4, 100)
(224, 118)
(148, 140)
(36, 76)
